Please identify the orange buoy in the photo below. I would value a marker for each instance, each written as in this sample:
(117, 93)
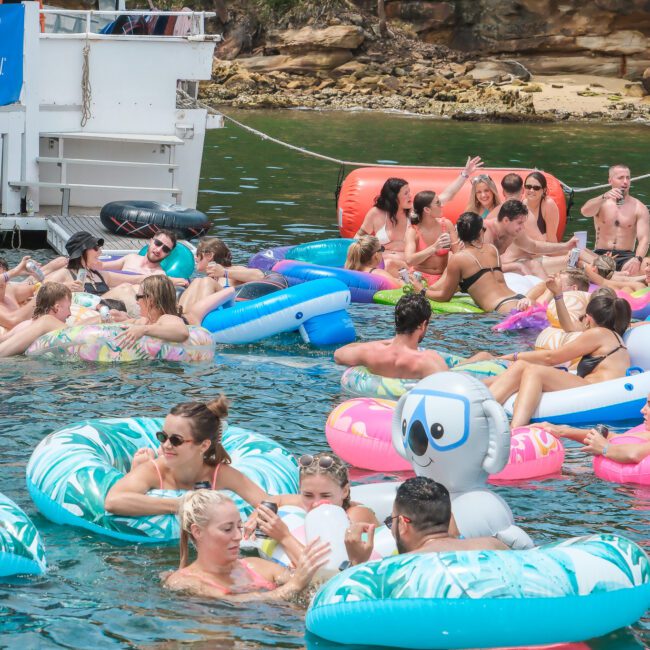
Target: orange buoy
(362, 186)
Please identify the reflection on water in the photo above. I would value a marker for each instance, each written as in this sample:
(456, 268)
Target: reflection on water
(99, 594)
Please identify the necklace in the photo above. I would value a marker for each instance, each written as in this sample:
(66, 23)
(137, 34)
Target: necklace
(475, 245)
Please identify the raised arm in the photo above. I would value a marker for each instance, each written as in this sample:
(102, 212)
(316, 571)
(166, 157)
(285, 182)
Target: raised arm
(451, 190)
(592, 207)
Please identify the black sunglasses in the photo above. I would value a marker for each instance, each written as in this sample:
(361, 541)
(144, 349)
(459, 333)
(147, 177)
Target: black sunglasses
(165, 248)
(174, 439)
(388, 522)
(381, 249)
(307, 460)
(533, 187)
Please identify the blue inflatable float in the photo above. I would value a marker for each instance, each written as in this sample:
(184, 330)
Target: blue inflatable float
(21, 550)
(326, 252)
(317, 309)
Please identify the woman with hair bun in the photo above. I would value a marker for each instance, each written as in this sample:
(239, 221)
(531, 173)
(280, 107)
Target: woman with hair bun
(190, 453)
(211, 521)
(601, 351)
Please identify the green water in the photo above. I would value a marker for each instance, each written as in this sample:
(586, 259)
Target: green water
(97, 594)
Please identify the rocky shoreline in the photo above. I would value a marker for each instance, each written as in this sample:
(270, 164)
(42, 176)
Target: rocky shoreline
(347, 67)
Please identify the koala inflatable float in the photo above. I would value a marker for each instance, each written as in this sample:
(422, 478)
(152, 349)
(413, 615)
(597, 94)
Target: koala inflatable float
(450, 428)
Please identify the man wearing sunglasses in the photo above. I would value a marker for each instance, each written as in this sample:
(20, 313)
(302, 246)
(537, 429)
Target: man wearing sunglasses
(620, 221)
(419, 523)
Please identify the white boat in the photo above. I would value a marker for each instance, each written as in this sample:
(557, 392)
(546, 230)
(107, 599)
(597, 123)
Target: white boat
(96, 117)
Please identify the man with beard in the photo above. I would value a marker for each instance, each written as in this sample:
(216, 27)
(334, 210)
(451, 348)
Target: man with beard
(399, 357)
(420, 523)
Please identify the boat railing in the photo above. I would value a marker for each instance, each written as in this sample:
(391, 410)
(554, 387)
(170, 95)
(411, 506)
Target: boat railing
(82, 23)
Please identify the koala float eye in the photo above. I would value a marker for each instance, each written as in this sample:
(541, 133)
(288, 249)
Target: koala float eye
(437, 431)
(417, 438)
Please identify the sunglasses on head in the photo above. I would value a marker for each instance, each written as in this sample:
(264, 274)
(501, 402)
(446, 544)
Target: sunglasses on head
(307, 460)
(159, 244)
(480, 178)
(174, 439)
(388, 522)
(536, 188)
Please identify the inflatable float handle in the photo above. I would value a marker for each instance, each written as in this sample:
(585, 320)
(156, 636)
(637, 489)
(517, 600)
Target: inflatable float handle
(498, 451)
(633, 370)
(396, 427)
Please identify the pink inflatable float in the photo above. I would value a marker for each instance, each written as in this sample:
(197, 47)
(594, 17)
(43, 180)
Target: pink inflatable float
(359, 431)
(610, 470)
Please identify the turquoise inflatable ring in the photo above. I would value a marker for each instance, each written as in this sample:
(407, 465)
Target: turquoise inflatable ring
(179, 263)
(71, 471)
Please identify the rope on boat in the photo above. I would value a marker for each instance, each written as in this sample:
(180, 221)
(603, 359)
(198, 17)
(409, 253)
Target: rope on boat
(350, 163)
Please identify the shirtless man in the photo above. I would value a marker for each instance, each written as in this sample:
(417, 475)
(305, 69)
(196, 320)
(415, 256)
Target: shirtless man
(509, 228)
(620, 219)
(399, 357)
(420, 523)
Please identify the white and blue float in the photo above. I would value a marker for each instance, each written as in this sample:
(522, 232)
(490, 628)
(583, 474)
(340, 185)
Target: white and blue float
(21, 549)
(72, 469)
(318, 310)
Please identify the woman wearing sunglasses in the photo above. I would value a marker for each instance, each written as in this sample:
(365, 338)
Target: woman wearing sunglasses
(541, 205)
(159, 314)
(190, 455)
(483, 197)
(212, 522)
(323, 479)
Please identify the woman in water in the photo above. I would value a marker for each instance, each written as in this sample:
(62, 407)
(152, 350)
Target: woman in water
(366, 254)
(212, 522)
(431, 237)
(323, 478)
(51, 310)
(190, 452)
(477, 271)
(542, 206)
(600, 348)
(484, 196)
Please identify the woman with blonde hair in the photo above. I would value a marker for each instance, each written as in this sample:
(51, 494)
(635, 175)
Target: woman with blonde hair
(190, 452)
(483, 197)
(366, 254)
(52, 308)
(211, 521)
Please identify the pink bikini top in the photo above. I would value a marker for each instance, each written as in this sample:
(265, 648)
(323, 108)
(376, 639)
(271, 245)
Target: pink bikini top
(160, 478)
(257, 581)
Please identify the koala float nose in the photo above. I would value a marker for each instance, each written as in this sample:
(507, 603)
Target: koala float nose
(417, 437)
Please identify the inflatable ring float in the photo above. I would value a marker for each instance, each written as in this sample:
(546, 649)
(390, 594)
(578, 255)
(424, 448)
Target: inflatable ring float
(146, 218)
(21, 550)
(610, 470)
(326, 252)
(513, 598)
(97, 342)
(179, 263)
(71, 471)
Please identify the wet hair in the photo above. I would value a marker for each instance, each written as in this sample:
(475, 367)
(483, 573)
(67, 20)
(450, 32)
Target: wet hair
(426, 503)
(361, 252)
(206, 422)
(541, 179)
(112, 303)
(605, 265)
(577, 277)
(422, 200)
(220, 252)
(512, 183)
(473, 204)
(4, 265)
(611, 312)
(195, 509)
(411, 310)
(387, 199)
(512, 209)
(48, 295)
(169, 233)
(469, 227)
(161, 292)
(337, 471)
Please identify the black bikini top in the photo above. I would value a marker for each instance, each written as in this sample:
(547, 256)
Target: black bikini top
(541, 224)
(589, 363)
(466, 283)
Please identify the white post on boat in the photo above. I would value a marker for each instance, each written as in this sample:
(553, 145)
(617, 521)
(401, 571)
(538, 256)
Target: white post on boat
(31, 101)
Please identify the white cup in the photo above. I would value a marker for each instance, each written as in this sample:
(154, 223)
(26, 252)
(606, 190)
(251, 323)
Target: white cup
(582, 239)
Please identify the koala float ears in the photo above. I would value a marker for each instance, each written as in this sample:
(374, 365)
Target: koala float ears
(465, 414)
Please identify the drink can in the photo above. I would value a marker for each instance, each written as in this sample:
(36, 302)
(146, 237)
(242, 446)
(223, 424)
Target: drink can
(271, 505)
(574, 256)
(620, 201)
(34, 268)
(417, 275)
(404, 274)
(81, 275)
(105, 313)
(602, 429)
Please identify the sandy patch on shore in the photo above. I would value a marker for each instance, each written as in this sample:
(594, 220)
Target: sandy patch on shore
(609, 92)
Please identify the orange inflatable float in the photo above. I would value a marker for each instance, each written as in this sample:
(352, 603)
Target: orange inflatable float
(362, 186)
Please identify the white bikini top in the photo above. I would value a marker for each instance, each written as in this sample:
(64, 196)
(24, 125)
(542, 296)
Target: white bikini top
(382, 234)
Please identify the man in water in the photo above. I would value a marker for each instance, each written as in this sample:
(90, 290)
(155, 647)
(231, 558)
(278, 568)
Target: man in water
(420, 523)
(509, 228)
(620, 219)
(401, 356)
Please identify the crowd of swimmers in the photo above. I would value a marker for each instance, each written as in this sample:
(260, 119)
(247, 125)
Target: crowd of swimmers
(512, 229)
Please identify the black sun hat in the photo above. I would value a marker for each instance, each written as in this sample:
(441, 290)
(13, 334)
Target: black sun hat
(80, 242)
